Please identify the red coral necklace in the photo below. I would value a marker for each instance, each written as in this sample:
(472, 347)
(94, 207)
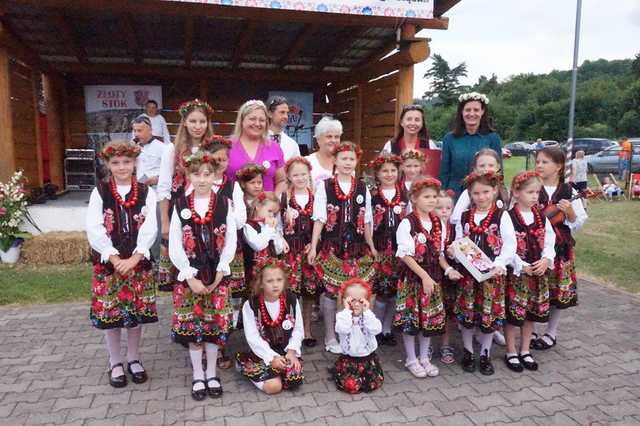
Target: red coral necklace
(195, 216)
(309, 207)
(435, 236)
(134, 194)
(266, 320)
(484, 225)
(537, 217)
(339, 194)
(394, 201)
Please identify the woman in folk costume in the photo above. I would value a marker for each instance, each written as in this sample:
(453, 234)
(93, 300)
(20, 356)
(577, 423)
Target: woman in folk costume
(121, 228)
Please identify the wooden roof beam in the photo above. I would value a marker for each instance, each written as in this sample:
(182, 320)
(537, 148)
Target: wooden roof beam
(60, 21)
(243, 42)
(307, 31)
(442, 6)
(334, 52)
(188, 40)
(128, 29)
(18, 48)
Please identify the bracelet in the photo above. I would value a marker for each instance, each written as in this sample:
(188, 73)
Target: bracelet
(446, 271)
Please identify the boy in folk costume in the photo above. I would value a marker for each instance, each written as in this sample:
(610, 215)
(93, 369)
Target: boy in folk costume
(121, 228)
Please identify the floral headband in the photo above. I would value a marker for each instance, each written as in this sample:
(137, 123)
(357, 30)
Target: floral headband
(271, 262)
(413, 154)
(123, 149)
(355, 281)
(199, 158)
(424, 183)
(186, 107)
(493, 179)
(293, 160)
(449, 193)
(384, 158)
(250, 171)
(208, 143)
(474, 96)
(347, 147)
(522, 177)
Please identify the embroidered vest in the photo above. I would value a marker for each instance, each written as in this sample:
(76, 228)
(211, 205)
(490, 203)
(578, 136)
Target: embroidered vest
(564, 239)
(530, 240)
(427, 252)
(344, 230)
(256, 256)
(276, 336)
(298, 232)
(204, 243)
(490, 242)
(387, 218)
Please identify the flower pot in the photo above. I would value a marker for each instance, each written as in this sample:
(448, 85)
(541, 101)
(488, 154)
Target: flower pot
(13, 254)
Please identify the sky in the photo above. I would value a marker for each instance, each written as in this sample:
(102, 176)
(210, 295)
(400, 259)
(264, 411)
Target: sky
(509, 37)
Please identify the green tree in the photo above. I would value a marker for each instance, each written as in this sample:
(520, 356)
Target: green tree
(635, 66)
(445, 81)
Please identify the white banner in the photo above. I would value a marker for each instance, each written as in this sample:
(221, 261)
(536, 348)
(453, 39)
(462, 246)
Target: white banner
(421, 9)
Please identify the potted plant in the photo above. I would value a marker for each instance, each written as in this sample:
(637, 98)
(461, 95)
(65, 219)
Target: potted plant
(13, 211)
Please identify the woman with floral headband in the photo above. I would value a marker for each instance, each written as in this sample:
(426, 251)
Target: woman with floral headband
(250, 144)
(472, 131)
(195, 128)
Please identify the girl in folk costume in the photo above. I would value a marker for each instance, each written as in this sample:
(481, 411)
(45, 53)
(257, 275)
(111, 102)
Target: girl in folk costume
(389, 203)
(195, 128)
(527, 292)
(202, 241)
(557, 196)
(480, 305)
(274, 330)
(411, 168)
(250, 178)
(262, 232)
(342, 217)
(419, 306)
(121, 228)
(358, 369)
(296, 207)
(444, 207)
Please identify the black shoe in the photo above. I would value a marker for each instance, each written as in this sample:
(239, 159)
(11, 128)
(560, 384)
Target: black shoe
(200, 394)
(119, 381)
(468, 362)
(528, 362)
(380, 339)
(485, 365)
(532, 342)
(137, 378)
(309, 342)
(513, 366)
(390, 339)
(216, 391)
(542, 345)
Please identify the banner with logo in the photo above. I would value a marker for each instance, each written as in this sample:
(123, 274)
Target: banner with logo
(300, 125)
(421, 9)
(110, 109)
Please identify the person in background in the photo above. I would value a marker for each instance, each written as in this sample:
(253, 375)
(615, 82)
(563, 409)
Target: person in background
(148, 162)
(579, 166)
(159, 127)
(328, 132)
(624, 159)
(278, 113)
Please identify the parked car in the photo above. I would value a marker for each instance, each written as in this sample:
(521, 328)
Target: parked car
(591, 145)
(635, 141)
(607, 161)
(519, 148)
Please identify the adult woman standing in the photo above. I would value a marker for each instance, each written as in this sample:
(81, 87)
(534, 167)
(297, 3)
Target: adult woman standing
(250, 144)
(328, 132)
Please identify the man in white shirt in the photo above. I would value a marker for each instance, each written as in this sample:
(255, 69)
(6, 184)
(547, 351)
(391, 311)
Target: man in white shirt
(278, 109)
(148, 162)
(159, 127)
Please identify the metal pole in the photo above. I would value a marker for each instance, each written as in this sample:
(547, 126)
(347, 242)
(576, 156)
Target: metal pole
(574, 78)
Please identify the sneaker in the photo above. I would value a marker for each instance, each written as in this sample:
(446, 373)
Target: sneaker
(447, 356)
(416, 369)
(498, 338)
(333, 346)
(430, 369)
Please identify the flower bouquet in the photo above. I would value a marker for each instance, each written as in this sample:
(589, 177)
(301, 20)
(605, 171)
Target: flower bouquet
(13, 211)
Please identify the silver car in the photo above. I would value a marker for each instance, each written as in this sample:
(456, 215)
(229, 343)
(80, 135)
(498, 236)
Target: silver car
(606, 161)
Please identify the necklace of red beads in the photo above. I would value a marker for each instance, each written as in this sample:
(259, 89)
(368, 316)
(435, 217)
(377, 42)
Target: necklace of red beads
(436, 231)
(484, 225)
(537, 217)
(341, 195)
(266, 320)
(195, 216)
(308, 209)
(394, 201)
(134, 193)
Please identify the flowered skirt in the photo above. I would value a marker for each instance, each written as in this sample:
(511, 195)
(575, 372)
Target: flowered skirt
(480, 304)
(167, 273)
(563, 284)
(201, 317)
(118, 301)
(303, 280)
(236, 282)
(527, 298)
(385, 281)
(417, 312)
(256, 370)
(333, 271)
(358, 374)
(449, 293)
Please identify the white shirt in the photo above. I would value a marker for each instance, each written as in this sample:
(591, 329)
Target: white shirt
(387, 146)
(97, 233)
(578, 208)
(167, 169)
(507, 233)
(260, 240)
(258, 345)
(148, 162)
(462, 205)
(548, 252)
(318, 173)
(406, 244)
(237, 201)
(289, 147)
(357, 334)
(159, 127)
(320, 202)
(579, 170)
(176, 249)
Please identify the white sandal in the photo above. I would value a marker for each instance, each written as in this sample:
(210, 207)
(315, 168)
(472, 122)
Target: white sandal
(430, 369)
(416, 369)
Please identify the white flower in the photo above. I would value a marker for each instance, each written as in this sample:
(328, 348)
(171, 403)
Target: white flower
(397, 209)
(185, 214)
(359, 199)
(287, 325)
(474, 96)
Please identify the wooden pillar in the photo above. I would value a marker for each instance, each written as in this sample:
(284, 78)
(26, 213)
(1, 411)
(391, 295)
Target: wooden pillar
(66, 129)
(53, 86)
(357, 116)
(35, 75)
(404, 92)
(7, 152)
